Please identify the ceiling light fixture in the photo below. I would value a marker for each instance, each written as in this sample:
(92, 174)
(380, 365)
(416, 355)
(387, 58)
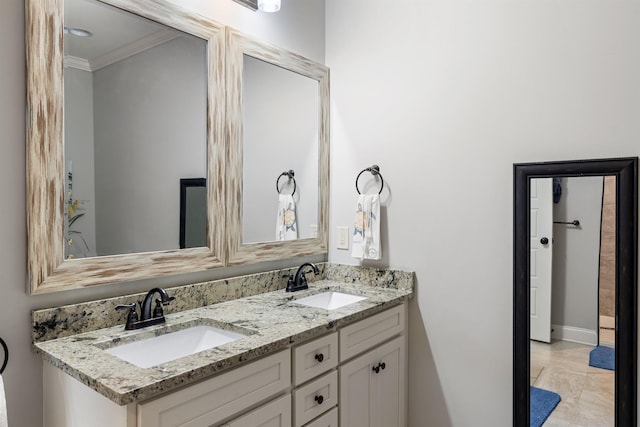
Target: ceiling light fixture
(269, 5)
(80, 32)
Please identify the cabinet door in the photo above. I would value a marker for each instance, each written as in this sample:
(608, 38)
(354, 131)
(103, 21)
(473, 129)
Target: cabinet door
(390, 384)
(373, 387)
(357, 391)
(272, 414)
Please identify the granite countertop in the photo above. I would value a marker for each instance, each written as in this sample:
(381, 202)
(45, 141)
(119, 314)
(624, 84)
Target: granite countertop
(271, 319)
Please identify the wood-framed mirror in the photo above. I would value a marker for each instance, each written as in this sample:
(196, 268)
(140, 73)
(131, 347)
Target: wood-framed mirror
(49, 31)
(625, 171)
(289, 132)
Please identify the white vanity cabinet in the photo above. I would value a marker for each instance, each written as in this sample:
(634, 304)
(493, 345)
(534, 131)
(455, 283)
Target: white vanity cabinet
(353, 376)
(373, 384)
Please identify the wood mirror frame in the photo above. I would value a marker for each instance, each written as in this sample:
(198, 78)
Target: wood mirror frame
(237, 45)
(47, 268)
(626, 300)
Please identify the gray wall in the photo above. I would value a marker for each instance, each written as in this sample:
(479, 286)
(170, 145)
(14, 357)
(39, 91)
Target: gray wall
(78, 116)
(280, 133)
(299, 26)
(150, 131)
(445, 96)
(576, 253)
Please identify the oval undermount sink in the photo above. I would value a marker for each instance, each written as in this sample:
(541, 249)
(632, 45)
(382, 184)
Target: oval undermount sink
(156, 350)
(329, 300)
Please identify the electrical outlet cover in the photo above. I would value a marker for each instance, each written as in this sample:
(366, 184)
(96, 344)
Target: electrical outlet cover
(342, 237)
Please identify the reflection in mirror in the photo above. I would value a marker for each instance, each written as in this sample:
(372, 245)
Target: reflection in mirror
(281, 131)
(135, 122)
(575, 267)
(193, 212)
(278, 120)
(120, 132)
(572, 281)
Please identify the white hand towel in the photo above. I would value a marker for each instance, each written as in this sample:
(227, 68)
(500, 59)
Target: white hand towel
(3, 406)
(366, 230)
(286, 224)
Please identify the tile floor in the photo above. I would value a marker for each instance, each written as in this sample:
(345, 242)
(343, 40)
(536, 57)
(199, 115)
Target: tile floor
(586, 392)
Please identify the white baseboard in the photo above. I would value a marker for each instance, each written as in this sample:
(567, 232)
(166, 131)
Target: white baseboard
(577, 335)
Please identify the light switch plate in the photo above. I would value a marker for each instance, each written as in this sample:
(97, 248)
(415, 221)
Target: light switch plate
(342, 237)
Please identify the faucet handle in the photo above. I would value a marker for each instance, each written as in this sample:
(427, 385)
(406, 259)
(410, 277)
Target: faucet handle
(289, 278)
(132, 316)
(290, 282)
(131, 307)
(157, 311)
(166, 301)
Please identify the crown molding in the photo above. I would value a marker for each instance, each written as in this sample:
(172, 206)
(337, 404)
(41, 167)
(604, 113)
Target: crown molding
(123, 52)
(77, 63)
(251, 4)
(140, 45)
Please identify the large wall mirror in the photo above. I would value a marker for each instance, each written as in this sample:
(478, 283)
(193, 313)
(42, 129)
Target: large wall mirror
(278, 154)
(575, 290)
(125, 99)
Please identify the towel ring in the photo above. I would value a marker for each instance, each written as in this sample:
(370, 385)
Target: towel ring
(6, 355)
(375, 171)
(289, 174)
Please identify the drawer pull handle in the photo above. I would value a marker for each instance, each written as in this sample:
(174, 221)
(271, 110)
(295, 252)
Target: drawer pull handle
(376, 369)
(319, 399)
(319, 357)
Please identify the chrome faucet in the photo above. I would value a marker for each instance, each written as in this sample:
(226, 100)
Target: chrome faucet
(299, 282)
(146, 317)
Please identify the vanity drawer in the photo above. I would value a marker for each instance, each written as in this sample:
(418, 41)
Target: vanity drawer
(220, 397)
(314, 358)
(367, 333)
(313, 399)
(330, 419)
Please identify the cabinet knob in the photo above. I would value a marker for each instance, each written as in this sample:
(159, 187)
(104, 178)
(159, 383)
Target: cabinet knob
(376, 369)
(319, 357)
(319, 399)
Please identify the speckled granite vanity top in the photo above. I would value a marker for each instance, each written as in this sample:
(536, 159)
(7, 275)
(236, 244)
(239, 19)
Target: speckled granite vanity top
(271, 319)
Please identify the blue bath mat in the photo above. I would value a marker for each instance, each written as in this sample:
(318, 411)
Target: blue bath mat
(543, 402)
(603, 357)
